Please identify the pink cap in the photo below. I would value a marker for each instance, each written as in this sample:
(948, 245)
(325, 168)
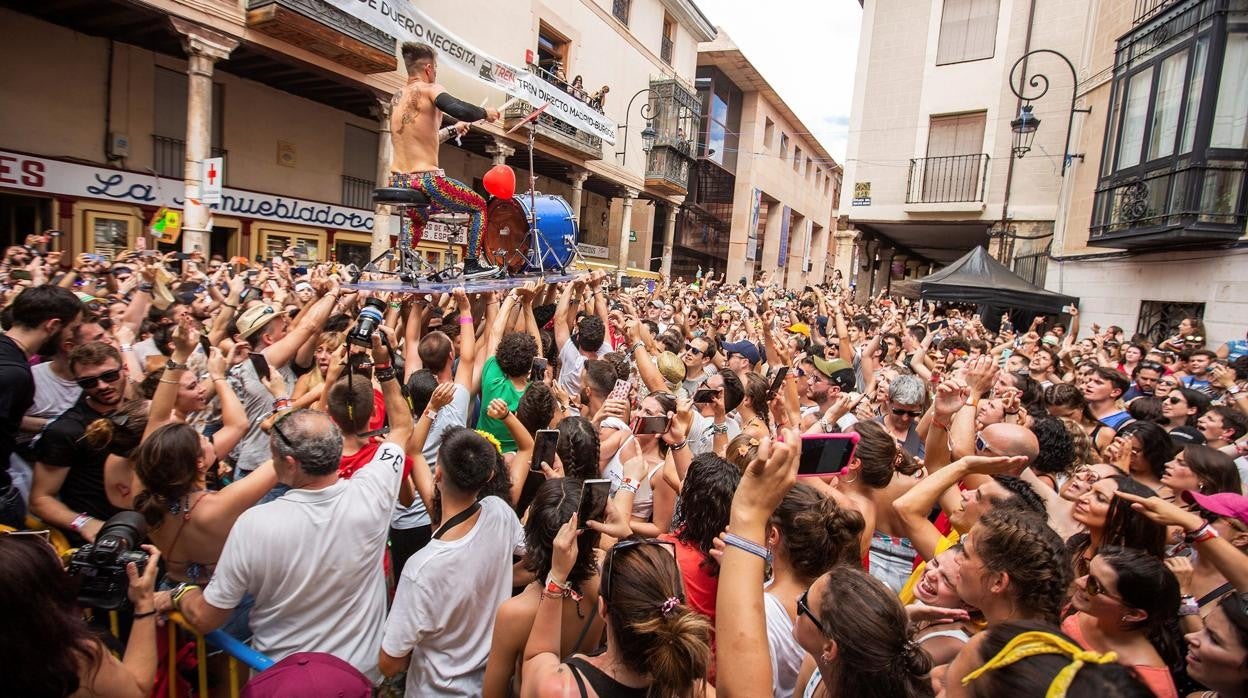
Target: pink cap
(309, 675)
(1228, 504)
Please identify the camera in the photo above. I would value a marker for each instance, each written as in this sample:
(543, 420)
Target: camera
(101, 566)
(367, 323)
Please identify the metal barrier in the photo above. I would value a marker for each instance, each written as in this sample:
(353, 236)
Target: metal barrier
(236, 651)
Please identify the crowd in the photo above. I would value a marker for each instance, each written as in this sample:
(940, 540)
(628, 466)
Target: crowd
(401, 489)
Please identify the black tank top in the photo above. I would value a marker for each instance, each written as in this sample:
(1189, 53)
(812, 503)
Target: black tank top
(604, 686)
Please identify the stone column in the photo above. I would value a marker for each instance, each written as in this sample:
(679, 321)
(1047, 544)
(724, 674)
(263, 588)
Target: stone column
(669, 239)
(629, 195)
(500, 150)
(842, 254)
(882, 270)
(578, 177)
(204, 47)
(865, 250)
(770, 253)
(385, 151)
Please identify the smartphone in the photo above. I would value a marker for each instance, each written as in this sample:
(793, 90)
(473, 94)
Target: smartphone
(206, 345)
(704, 395)
(826, 454)
(650, 425)
(544, 442)
(19, 275)
(778, 381)
(594, 495)
(620, 391)
(261, 365)
(537, 373)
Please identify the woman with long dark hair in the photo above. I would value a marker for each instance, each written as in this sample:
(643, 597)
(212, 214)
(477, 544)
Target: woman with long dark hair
(1111, 521)
(46, 649)
(1202, 469)
(1183, 407)
(1142, 450)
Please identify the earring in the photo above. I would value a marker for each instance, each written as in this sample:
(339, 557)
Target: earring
(849, 480)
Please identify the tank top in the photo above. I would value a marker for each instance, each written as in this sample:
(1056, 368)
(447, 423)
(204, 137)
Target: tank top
(643, 500)
(604, 686)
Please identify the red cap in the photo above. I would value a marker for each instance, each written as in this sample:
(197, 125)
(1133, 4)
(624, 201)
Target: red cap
(309, 675)
(1228, 504)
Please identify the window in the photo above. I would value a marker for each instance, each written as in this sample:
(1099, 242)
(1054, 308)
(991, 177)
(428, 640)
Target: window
(1230, 119)
(359, 167)
(110, 234)
(797, 160)
(169, 123)
(721, 117)
(552, 53)
(769, 133)
(1159, 320)
(968, 31)
(784, 145)
(955, 164)
(667, 42)
(960, 134)
(619, 8)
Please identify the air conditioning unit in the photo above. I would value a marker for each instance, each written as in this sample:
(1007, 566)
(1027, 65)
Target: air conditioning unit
(118, 145)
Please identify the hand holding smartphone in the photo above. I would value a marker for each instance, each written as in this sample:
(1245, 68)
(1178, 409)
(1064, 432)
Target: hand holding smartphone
(260, 364)
(594, 495)
(650, 425)
(826, 454)
(544, 442)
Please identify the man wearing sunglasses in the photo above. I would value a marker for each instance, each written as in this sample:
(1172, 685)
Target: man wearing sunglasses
(68, 489)
(906, 395)
(1144, 380)
(698, 355)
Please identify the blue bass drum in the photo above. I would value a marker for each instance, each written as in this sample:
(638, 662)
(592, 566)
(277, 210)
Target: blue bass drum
(506, 242)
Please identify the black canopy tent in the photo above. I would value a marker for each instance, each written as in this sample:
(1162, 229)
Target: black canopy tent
(979, 279)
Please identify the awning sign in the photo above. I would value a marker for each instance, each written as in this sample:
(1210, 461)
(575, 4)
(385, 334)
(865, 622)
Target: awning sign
(402, 20)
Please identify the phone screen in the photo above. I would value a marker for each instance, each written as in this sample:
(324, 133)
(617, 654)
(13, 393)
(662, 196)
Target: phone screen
(538, 372)
(544, 443)
(594, 495)
(825, 454)
(705, 395)
(260, 364)
(650, 425)
(778, 381)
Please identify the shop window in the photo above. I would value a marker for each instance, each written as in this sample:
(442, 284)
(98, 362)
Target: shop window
(307, 248)
(351, 252)
(968, 31)
(110, 235)
(1159, 320)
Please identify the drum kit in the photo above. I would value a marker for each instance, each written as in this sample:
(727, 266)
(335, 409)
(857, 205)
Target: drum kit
(530, 236)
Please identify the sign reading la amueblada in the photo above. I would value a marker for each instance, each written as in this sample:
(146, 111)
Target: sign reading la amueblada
(32, 173)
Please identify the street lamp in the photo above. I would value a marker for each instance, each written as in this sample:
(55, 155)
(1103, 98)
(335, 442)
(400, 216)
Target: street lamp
(648, 134)
(1024, 127)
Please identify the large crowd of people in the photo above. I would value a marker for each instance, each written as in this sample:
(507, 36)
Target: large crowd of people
(410, 487)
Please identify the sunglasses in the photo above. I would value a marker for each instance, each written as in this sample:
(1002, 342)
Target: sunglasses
(276, 429)
(693, 350)
(1095, 587)
(803, 609)
(1152, 365)
(89, 382)
(607, 564)
(913, 413)
(981, 445)
(1087, 474)
(1175, 399)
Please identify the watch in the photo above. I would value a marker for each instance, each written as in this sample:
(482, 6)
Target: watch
(172, 365)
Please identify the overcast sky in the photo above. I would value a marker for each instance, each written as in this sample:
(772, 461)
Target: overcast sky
(806, 49)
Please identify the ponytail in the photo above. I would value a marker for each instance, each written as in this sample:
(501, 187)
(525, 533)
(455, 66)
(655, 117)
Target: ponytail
(680, 653)
(152, 506)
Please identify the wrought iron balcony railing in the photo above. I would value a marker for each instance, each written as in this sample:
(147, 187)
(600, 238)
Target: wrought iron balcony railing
(555, 131)
(357, 192)
(169, 156)
(947, 179)
(1184, 204)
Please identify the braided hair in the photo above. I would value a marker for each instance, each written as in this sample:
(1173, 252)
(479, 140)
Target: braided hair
(1022, 545)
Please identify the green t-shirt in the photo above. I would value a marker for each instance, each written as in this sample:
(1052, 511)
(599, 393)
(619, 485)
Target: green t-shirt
(496, 385)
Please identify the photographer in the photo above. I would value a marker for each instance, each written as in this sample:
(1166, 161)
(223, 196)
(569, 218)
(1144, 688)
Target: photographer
(47, 649)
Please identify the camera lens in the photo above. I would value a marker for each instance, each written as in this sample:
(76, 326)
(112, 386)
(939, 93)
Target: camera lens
(367, 322)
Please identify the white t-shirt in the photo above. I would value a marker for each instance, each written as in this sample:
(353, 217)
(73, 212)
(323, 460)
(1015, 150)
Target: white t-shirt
(702, 438)
(53, 394)
(572, 364)
(313, 561)
(144, 350)
(446, 601)
(455, 413)
(786, 654)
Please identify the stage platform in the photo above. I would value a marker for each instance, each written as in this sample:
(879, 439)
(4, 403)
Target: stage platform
(449, 285)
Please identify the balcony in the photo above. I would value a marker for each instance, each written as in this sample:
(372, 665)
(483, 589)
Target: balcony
(665, 49)
(674, 112)
(323, 29)
(555, 132)
(667, 167)
(948, 179)
(1145, 9)
(169, 156)
(1188, 205)
(357, 192)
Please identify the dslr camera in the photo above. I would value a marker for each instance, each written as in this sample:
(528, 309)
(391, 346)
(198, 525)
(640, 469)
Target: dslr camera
(101, 566)
(367, 322)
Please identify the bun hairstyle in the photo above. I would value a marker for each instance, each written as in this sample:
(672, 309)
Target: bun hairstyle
(815, 533)
(167, 465)
(656, 631)
(879, 455)
(120, 432)
(875, 655)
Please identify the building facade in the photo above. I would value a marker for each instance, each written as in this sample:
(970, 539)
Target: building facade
(1152, 226)
(929, 171)
(763, 193)
(114, 109)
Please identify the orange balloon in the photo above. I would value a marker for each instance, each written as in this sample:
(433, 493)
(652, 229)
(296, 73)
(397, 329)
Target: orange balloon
(500, 181)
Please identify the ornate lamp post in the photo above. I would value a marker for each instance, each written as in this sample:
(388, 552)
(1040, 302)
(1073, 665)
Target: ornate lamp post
(1025, 126)
(648, 134)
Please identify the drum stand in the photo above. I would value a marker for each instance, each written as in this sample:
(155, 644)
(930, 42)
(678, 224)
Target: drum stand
(536, 237)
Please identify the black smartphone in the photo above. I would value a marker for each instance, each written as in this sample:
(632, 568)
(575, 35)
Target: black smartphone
(207, 346)
(704, 395)
(261, 365)
(826, 454)
(19, 275)
(650, 425)
(594, 495)
(778, 381)
(537, 373)
(544, 442)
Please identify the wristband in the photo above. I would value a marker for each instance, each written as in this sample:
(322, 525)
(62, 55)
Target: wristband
(465, 319)
(235, 307)
(748, 546)
(79, 521)
(677, 447)
(555, 587)
(179, 591)
(139, 616)
(126, 347)
(381, 367)
(1200, 535)
(385, 374)
(627, 487)
(939, 424)
(432, 415)
(281, 403)
(396, 306)
(145, 287)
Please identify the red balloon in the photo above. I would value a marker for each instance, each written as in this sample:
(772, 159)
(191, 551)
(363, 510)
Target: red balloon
(500, 181)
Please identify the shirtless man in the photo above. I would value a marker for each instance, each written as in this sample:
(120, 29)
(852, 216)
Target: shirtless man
(416, 112)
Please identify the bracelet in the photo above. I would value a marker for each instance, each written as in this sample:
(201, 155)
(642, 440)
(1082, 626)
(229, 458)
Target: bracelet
(748, 546)
(638, 345)
(145, 287)
(381, 367)
(1234, 390)
(431, 414)
(222, 378)
(139, 616)
(162, 380)
(553, 587)
(396, 306)
(281, 403)
(941, 425)
(179, 591)
(235, 307)
(465, 319)
(126, 347)
(385, 374)
(79, 521)
(677, 447)
(1202, 534)
(721, 428)
(627, 487)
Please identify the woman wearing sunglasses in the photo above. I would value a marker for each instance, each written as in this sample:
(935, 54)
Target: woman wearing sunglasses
(855, 632)
(1183, 407)
(1127, 603)
(656, 644)
(1142, 450)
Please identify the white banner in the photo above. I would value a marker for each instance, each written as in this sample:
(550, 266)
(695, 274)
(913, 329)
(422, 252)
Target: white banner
(402, 20)
(594, 251)
(32, 173)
